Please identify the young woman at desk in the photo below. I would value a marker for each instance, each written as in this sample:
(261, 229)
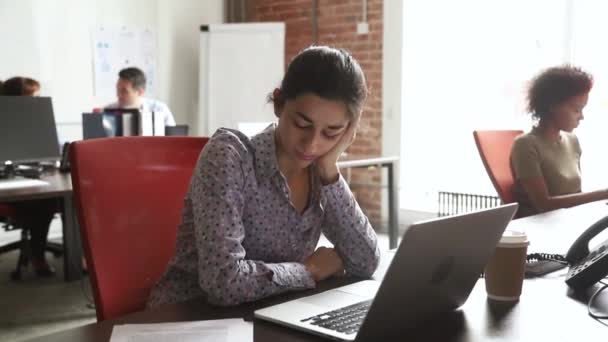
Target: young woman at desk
(546, 161)
(34, 215)
(257, 206)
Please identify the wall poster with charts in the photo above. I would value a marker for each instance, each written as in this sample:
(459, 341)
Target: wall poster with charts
(115, 48)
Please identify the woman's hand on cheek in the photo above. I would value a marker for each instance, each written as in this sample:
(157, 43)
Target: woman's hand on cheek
(327, 164)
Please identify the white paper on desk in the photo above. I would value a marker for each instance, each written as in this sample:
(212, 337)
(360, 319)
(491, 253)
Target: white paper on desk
(223, 330)
(20, 183)
(151, 123)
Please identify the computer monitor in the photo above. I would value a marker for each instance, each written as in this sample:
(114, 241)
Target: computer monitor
(110, 123)
(176, 130)
(27, 130)
(98, 125)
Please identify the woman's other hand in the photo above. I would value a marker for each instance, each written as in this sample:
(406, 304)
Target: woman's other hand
(324, 263)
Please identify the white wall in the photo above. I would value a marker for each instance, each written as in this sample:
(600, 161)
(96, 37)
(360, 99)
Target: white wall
(50, 40)
(179, 48)
(392, 87)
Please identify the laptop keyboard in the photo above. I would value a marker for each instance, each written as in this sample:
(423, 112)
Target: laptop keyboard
(346, 320)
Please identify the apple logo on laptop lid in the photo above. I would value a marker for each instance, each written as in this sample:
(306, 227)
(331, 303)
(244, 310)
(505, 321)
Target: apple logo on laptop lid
(442, 270)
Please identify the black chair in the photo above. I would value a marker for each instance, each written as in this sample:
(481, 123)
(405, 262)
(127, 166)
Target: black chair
(8, 222)
(177, 130)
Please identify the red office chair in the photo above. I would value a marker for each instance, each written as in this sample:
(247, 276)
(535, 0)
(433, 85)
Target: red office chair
(129, 192)
(495, 152)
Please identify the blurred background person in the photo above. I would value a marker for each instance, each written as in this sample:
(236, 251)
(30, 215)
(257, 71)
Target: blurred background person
(34, 215)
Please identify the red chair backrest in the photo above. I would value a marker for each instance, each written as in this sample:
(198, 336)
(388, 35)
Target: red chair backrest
(495, 151)
(129, 193)
(8, 211)
(8, 214)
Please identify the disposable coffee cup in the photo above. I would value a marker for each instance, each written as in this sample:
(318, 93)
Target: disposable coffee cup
(504, 273)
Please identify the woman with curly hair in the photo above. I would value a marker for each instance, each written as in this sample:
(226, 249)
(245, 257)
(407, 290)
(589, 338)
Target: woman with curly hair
(546, 161)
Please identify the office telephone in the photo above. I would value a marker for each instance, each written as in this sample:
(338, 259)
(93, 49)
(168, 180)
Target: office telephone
(64, 164)
(588, 267)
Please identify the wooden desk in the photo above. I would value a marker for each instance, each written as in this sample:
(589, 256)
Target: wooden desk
(547, 311)
(554, 231)
(393, 203)
(60, 187)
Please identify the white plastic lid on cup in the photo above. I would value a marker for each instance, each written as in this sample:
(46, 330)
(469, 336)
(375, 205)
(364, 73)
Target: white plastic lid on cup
(513, 239)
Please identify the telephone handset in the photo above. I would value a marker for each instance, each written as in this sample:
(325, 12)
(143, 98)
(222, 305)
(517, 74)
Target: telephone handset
(588, 267)
(64, 164)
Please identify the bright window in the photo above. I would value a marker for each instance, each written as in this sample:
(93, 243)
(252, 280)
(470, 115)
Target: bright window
(466, 65)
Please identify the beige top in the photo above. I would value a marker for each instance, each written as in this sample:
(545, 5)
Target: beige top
(557, 162)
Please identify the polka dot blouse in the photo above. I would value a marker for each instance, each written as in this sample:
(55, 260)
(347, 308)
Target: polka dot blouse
(241, 239)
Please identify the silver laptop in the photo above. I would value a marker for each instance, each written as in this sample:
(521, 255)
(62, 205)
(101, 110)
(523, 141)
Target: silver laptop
(433, 271)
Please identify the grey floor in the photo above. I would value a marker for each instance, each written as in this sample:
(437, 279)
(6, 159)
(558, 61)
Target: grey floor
(33, 307)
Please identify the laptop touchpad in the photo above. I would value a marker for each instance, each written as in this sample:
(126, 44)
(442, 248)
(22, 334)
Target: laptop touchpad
(343, 296)
(331, 299)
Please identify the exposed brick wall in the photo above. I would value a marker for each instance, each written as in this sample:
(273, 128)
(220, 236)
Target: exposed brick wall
(337, 26)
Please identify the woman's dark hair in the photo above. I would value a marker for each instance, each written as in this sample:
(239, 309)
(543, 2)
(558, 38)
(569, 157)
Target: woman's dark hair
(20, 86)
(327, 72)
(554, 86)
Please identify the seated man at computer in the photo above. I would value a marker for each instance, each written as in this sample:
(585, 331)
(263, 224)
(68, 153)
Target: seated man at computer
(130, 90)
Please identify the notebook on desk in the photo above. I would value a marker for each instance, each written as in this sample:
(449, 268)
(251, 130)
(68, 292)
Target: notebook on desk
(434, 270)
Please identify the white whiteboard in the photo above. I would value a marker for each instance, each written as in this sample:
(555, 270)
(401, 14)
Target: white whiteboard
(240, 64)
(116, 48)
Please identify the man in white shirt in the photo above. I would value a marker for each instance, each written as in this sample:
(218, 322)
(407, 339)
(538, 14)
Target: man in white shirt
(130, 90)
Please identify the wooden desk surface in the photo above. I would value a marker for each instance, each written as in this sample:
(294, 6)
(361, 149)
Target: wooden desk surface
(554, 231)
(60, 185)
(546, 312)
(548, 309)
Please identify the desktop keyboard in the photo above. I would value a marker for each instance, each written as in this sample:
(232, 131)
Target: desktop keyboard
(346, 320)
(542, 267)
(539, 264)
